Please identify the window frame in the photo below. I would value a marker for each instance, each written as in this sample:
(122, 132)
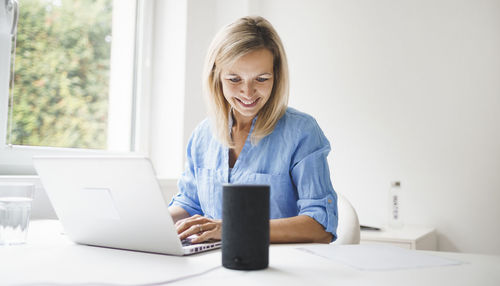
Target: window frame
(17, 160)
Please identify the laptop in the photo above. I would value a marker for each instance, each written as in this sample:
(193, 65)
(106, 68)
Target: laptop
(112, 201)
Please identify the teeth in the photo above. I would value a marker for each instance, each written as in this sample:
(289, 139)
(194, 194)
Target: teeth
(247, 102)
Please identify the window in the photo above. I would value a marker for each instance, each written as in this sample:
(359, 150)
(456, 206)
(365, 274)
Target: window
(61, 84)
(74, 84)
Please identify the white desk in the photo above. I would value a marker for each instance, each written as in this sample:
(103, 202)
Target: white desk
(50, 258)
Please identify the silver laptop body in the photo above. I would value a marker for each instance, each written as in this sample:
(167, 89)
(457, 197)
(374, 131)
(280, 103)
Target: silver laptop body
(112, 201)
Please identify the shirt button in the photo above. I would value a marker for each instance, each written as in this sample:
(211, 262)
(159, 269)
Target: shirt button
(329, 201)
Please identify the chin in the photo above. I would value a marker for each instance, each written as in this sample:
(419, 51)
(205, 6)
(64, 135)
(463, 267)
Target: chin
(247, 113)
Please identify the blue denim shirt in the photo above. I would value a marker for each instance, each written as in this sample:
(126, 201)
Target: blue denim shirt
(292, 160)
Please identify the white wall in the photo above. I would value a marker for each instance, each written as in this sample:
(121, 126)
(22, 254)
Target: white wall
(404, 90)
(168, 75)
(198, 37)
(410, 91)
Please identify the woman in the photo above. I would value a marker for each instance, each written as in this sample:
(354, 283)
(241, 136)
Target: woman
(254, 138)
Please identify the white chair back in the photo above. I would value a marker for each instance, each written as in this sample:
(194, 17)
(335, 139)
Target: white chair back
(348, 224)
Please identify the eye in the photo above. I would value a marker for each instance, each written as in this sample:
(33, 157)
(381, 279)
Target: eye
(234, 79)
(261, 79)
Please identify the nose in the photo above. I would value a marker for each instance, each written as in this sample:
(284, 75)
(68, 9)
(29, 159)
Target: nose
(247, 89)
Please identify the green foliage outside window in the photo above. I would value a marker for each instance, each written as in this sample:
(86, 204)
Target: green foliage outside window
(62, 73)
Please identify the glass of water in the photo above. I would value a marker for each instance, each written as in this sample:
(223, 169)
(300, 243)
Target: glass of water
(15, 210)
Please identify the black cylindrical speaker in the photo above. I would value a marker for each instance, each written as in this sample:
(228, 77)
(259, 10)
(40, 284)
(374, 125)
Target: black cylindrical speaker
(245, 227)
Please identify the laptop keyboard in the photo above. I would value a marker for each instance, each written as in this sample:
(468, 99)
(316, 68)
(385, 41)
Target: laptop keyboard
(186, 242)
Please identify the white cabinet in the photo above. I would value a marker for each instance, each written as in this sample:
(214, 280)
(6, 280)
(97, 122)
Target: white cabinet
(410, 237)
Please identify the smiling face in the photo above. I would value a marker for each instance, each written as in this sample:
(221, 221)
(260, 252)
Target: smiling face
(247, 84)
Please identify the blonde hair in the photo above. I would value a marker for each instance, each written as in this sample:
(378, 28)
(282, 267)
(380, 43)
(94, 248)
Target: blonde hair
(233, 41)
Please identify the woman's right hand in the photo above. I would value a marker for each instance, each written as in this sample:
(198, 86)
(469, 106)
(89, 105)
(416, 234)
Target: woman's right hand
(204, 228)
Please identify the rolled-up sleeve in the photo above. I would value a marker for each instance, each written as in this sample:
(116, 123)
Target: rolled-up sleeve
(187, 196)
(311, 176)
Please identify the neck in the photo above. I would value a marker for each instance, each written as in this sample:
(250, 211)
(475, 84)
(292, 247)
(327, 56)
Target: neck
(241, 122)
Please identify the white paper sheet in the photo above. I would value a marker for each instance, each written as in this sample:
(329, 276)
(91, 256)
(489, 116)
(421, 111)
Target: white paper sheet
(378, 257)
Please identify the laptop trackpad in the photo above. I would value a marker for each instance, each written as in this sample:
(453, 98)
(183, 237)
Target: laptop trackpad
(100, 202)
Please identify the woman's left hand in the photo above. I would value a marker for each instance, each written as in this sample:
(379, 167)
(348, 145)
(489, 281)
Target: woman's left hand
(205, 228)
